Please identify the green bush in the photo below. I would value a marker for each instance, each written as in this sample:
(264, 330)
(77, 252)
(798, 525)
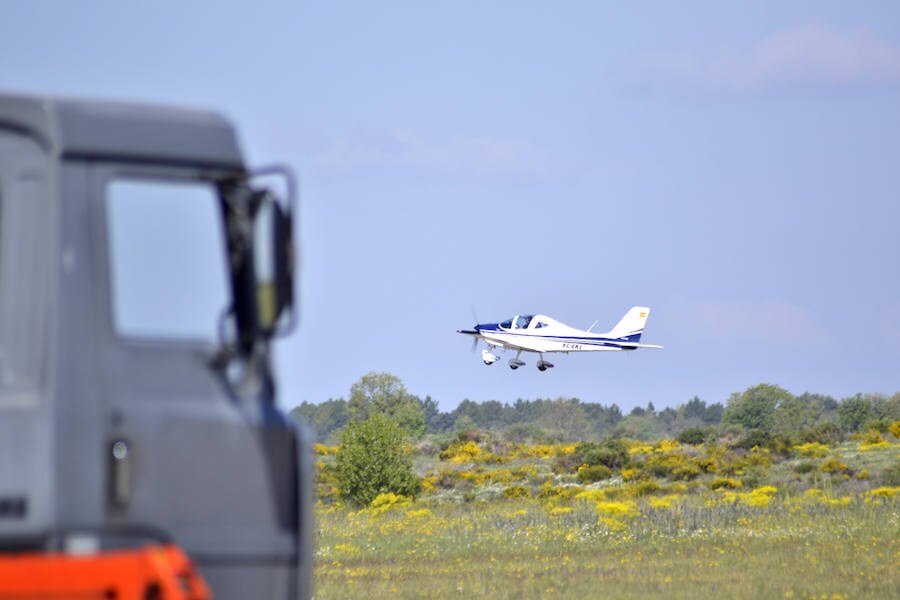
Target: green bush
(879, 425)
(891, 475)
(685, 472)
(372, 460)
(693, 436)
(754, 439)
(516, 491)
(645, 488)
(611, 453)
(806, 467)
(593, 473)
(824, 433)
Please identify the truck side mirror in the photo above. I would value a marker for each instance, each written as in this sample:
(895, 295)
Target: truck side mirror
(273, 265)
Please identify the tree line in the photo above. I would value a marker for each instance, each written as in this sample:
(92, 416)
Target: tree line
(761, 414)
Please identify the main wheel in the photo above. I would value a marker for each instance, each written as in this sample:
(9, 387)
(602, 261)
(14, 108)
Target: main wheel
(542, 368)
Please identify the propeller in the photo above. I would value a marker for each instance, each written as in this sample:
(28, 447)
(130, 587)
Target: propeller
(475, 339)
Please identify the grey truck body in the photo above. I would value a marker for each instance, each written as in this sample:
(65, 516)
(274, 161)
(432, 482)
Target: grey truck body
(111, 438)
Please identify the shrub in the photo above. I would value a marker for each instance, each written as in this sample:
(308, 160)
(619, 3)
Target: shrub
(592, 473)
(872, 437)
(516, 491)
(372, 460)
(725, 483)
(879, 425)
(462, 452)
(693, 436)
(894, 429)
(685, 472)
(891, 476)
(833, 465)
(612, 453)
(825, 433)
(754, 439)
(812, 450)
(781, 443)
(805, 467)
(645, 488)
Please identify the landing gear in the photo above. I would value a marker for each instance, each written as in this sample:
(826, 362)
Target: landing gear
(515, 363)
(488, 357)
(543, 365)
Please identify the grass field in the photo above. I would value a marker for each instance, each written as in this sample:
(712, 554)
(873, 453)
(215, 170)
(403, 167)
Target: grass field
(511, 525)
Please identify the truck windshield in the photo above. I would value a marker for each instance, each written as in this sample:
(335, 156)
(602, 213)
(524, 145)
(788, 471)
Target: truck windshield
(167, 259)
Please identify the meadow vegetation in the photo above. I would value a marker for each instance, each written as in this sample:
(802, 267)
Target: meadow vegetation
(736, 509)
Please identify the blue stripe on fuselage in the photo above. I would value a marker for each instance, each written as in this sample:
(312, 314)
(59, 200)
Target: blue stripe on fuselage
(589, 340)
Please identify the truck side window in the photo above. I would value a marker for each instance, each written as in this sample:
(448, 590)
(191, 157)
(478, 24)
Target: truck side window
(167, 259)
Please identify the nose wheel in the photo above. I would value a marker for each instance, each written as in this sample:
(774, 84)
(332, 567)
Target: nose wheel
(488, 357)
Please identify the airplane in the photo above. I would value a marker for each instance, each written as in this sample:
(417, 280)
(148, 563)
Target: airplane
(542, 334)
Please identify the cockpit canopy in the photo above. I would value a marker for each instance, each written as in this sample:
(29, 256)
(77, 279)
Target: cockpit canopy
(517, 322)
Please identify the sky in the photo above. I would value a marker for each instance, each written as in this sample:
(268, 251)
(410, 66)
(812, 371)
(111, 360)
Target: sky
(731, 165)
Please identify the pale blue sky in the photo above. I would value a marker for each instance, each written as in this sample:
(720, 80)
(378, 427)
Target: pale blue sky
(733, 166)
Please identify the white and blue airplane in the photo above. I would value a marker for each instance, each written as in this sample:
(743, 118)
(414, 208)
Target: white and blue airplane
(541, 334)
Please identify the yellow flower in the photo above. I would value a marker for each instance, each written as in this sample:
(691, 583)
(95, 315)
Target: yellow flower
(617, 509)
(630, 474)
(611, 524)
(812, 449)
(882, 493)
(662, 502)
(387, 501)
(667, 446)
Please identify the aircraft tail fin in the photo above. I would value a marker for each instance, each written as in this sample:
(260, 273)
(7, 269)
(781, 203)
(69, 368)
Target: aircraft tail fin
(631, 326)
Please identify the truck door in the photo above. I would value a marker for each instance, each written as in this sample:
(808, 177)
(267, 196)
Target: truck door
(184, 455)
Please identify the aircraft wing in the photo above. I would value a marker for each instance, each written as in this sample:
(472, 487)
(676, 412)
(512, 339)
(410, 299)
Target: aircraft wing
(522, 343)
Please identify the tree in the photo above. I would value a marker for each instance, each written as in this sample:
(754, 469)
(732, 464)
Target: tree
(637, 427)
(324, 418)
(431, 413)
(384, 394)
(566, 418)
(371, 460)
(854, 412)
(754, 408)
(713, 413)
(693, 409)
(799, 413)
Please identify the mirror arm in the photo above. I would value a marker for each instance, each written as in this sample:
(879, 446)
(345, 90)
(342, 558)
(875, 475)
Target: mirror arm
(289, 177)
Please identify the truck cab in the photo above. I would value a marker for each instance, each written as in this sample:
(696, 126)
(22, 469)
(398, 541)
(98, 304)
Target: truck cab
(144, 273)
